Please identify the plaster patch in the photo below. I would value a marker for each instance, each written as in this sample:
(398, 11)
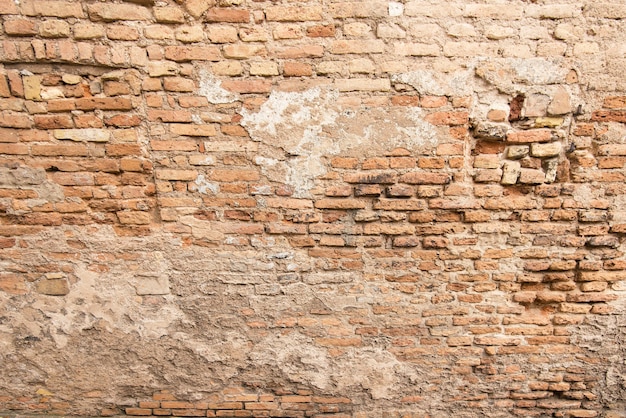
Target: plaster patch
(204, 186)
(109, 301)
(514, 75)
(369, 369)
(211, 88)
(310, 126)
(458, 83)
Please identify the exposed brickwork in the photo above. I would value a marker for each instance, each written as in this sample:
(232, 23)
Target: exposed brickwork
(345, 209)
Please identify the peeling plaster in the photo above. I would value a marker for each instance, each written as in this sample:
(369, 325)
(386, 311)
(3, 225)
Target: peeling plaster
(211, 88)
(204, 186)
(309, 126)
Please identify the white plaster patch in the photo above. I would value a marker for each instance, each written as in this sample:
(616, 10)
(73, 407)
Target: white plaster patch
(395, 8)
(211, 88)
(291, 108)
(369, 369)
(538, 71)
(109, 302)
(310, 126)
(204, 186)
(458, 83)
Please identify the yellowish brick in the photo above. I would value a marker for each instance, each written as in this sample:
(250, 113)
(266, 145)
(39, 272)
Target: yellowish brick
(263, 68)
(189, 34)
(222, 34)
(227, 68)
(54, 29)
(363, 84)
(168, 14)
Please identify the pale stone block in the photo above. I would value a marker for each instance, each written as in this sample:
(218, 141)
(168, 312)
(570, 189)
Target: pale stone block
(83, 135)
(516, 152)
(550, 149)
(510, 172)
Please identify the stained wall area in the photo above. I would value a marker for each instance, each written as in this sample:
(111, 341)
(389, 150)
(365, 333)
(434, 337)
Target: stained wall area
(313, 209)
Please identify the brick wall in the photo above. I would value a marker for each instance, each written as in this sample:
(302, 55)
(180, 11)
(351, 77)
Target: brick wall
(312, 209)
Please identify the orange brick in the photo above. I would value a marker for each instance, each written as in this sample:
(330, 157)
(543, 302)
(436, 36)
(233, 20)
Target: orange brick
(321, 31)
(189, 412)
(226, 405)
(53, 121)
(78, 150)
(13, 284)
(448, 118)
(615, 102)
(425, 178)
(120, 150)
(104, 103)
(405, 100)
(20, 27)
(533, 135)
(8, 7)
(609, 116)
(297, 69)
(122, 121)
(14, 149)
(434, 101)
(138, 411)
(174, 145)
(178, 84)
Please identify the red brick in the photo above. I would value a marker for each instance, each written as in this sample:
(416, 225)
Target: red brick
(434, 101)
(122, 121)
(226, 405)
(178, 84)
(609, 116)
(13, 284)
(321, 31)
(373, 178)
(138, 411)
(448, 118)
(297, 69)
(78, 150)
(189, 412)
(14, 149)
(20, 27)
(425, 178)
(121, 150)
(340, 204)
(180, 145)
(15, 120)
(405, 100)
(104, 103)
(530, 136)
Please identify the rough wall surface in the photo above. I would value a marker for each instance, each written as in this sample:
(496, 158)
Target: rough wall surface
(321, 208)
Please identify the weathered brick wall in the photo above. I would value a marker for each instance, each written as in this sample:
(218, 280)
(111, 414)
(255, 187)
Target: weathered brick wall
(328, 209)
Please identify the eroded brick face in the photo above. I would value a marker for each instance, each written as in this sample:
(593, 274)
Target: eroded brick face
(345, 209)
